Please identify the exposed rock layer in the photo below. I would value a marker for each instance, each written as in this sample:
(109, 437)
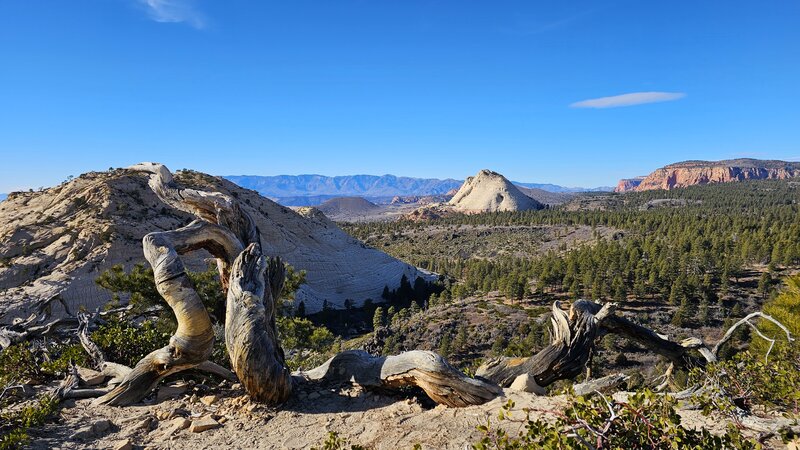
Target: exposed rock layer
(690, 173)
(628, 184)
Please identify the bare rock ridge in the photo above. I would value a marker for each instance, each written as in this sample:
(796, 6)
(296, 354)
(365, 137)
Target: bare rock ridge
(489, 192)
(54, 243)
(690, 173)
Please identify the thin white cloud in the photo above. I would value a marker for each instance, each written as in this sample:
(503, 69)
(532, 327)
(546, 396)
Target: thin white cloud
(634, 98)
(175, 11)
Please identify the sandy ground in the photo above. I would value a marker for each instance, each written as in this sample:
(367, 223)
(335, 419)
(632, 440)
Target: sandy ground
(362, 417)
(373, 419)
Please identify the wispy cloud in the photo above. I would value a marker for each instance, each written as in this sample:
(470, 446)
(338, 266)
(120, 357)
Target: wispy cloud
(634, 98)
(175, 11)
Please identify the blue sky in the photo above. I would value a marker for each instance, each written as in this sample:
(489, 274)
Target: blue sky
(408, 87)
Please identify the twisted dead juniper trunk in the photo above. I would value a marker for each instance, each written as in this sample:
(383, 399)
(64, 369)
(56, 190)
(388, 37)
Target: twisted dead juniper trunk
(250, 333)
(223, 229)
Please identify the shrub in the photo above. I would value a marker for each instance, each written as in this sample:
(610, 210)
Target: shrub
(124, 343)
(785, 308)
(748, 380)
(19, 363)
(14, 425)
(646, 420)
(334, 442)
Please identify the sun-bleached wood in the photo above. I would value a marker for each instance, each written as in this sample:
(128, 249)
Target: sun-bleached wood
(224, 230)
(250, 333)
(572, 343)
(427, 370)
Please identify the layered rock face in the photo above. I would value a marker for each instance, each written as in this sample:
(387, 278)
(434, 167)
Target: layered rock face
(628, 184)
(55, 243)
(489, 192)
(690, 173)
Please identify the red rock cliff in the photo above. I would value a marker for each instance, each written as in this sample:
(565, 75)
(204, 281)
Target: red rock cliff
(690, 173)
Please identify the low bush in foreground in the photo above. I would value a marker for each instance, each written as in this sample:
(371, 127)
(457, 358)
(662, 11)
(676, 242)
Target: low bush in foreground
(14, 425)
(646, 420)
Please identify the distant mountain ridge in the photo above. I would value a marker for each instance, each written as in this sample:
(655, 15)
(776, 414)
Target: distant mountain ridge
(348, 185)
(694, 172)
(3, 197)
(312, 190)
(562, 189)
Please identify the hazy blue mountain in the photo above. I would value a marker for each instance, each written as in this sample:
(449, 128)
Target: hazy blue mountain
(3, 197)
(312, 190)
(556, 188)
(359, 185)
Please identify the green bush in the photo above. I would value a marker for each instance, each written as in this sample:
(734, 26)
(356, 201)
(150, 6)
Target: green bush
(125, 343)
(34, 362)
(785, 308)
(14, 425)
(19, 363)
(748, 380)
(334, 442)
(304, 342)
(646, 420)
(61, 358)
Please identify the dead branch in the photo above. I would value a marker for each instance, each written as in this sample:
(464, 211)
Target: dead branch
(746, 320)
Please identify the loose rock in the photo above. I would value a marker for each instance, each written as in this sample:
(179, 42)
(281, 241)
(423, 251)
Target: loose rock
(167, 392)
(208, 400)
(203, 424)
(124, 445)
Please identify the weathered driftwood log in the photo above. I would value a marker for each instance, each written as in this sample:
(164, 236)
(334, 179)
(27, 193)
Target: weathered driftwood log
(192, 342)
(427, 370)
(250, 333)
(602, 384)
(571, 347)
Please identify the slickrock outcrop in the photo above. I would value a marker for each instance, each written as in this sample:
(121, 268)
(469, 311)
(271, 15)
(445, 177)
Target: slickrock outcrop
(54, 243)
(489, 192)
(690, 173)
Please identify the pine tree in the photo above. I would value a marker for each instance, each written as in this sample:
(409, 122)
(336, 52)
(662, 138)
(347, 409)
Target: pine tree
(377, 318)
(444, 345)
(764, 284)
(703, 314)
(462, 338)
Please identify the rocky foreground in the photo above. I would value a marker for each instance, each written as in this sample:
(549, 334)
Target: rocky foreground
(196, 416)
